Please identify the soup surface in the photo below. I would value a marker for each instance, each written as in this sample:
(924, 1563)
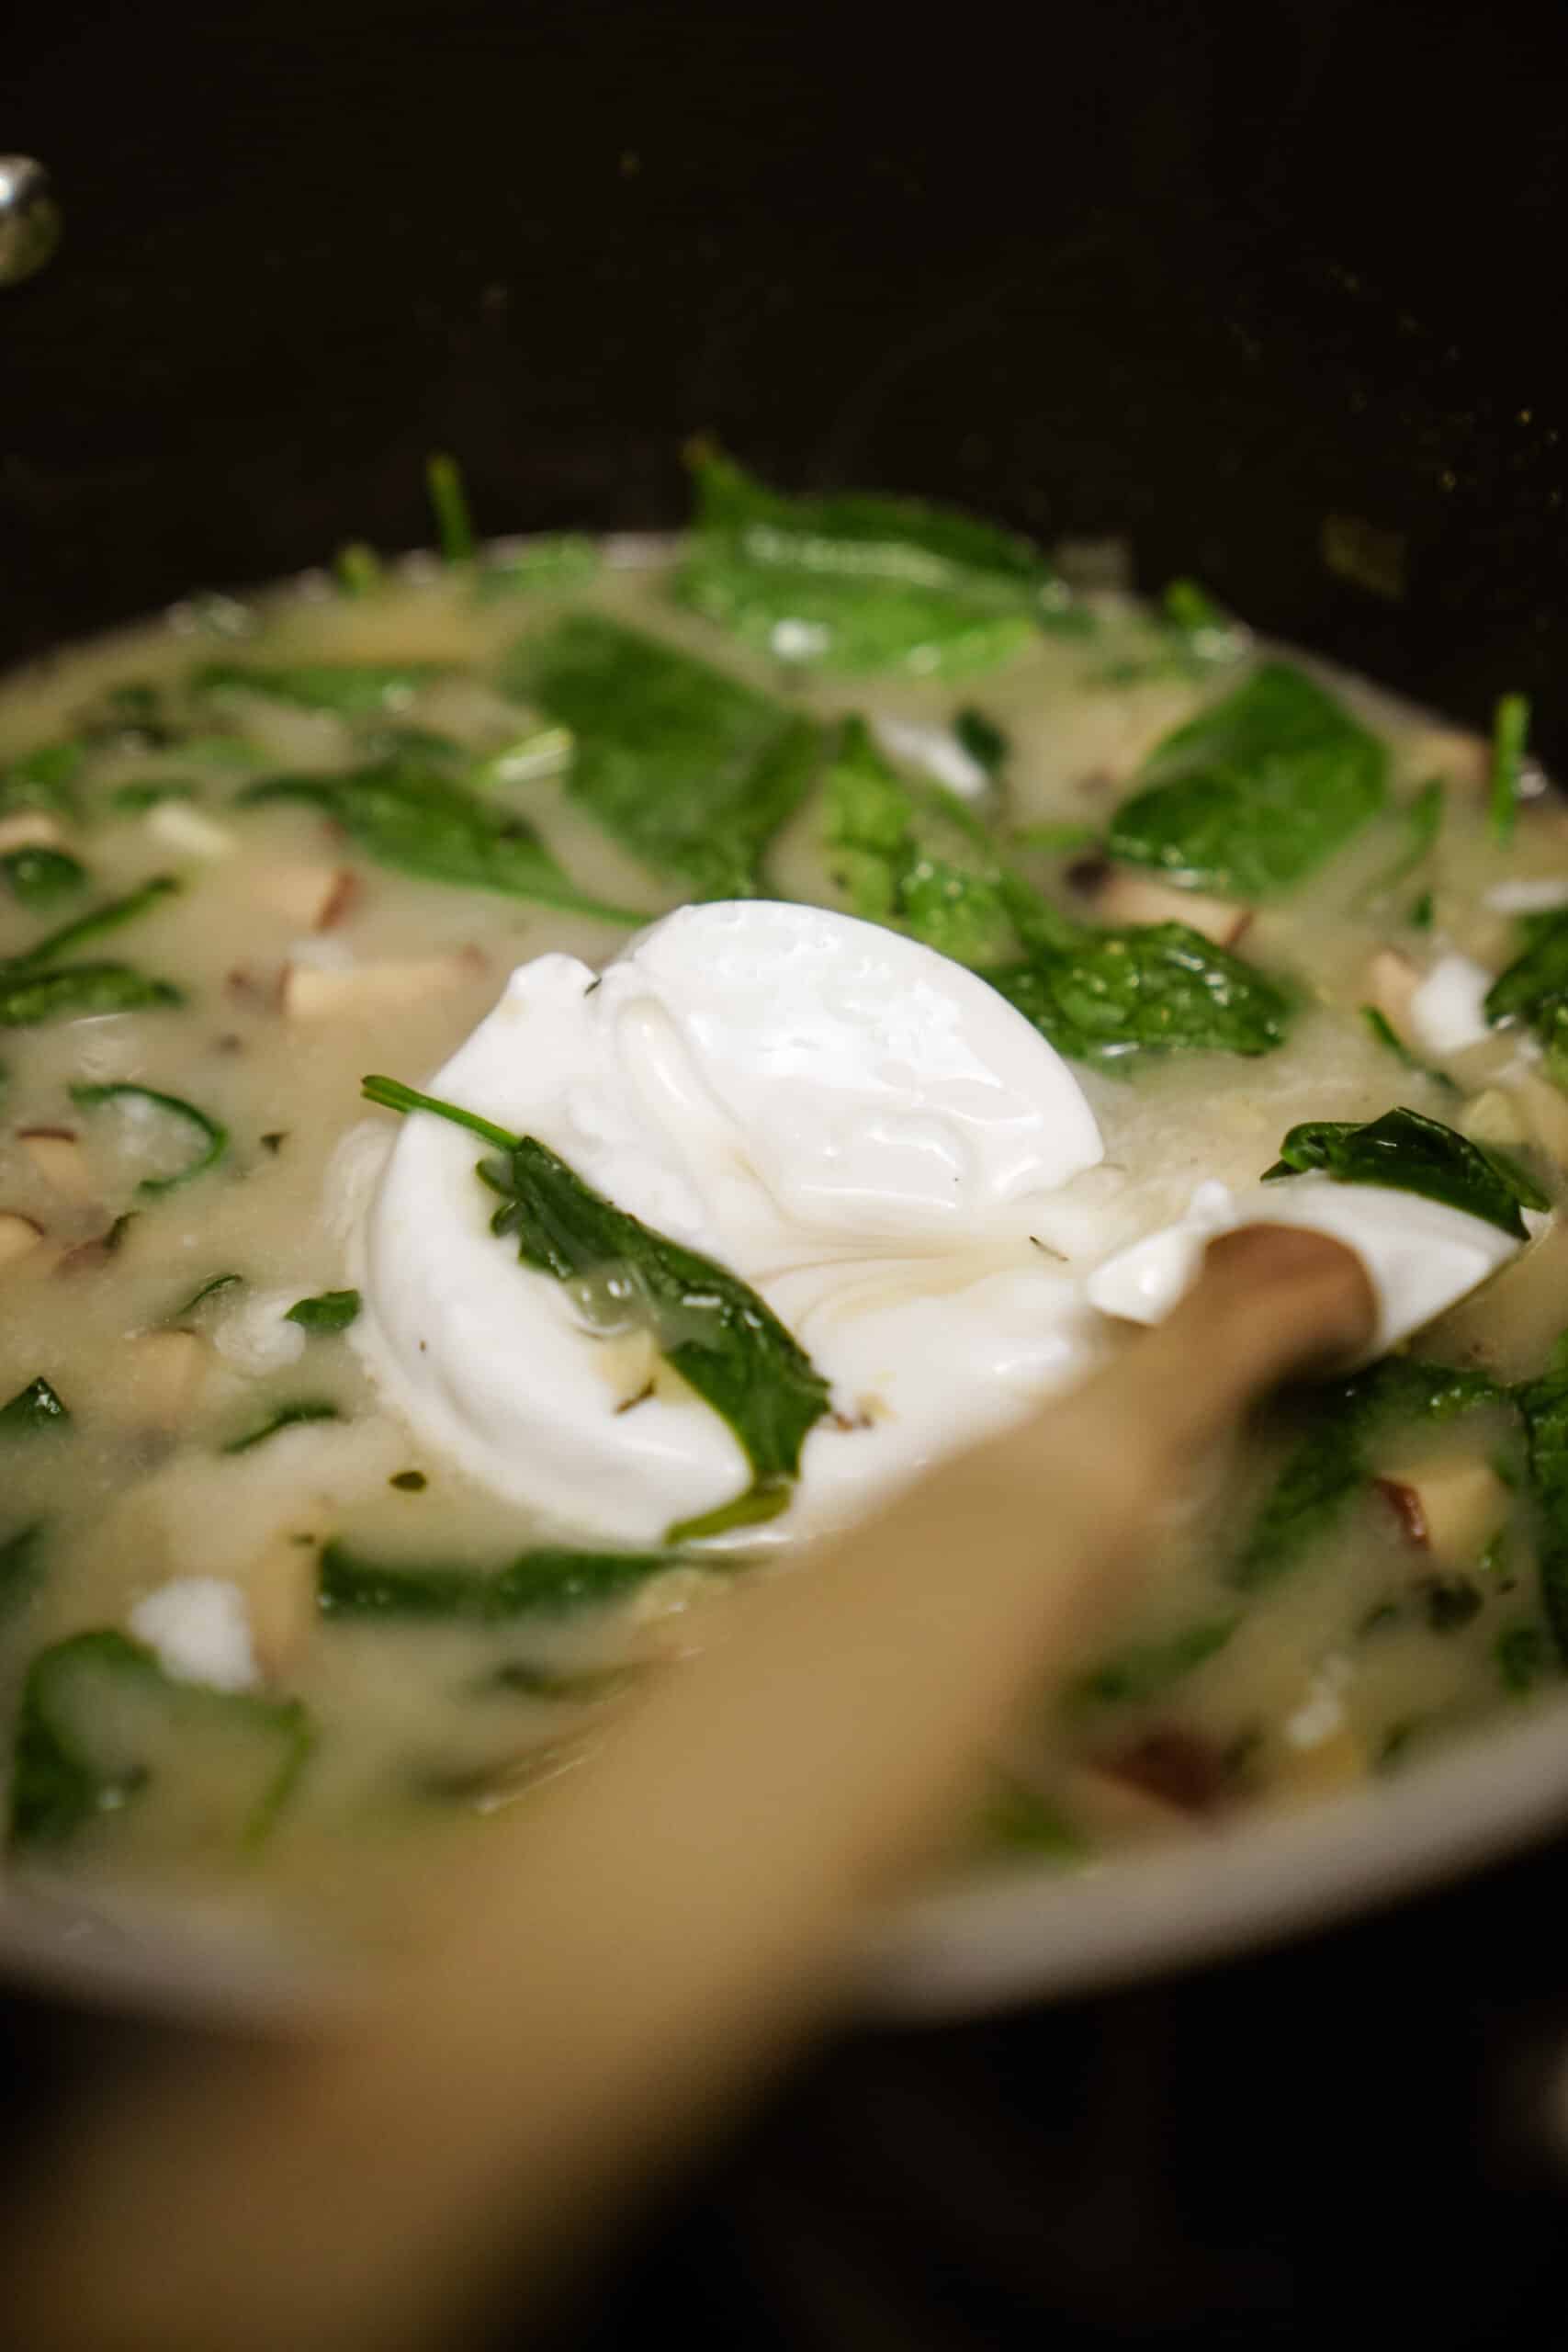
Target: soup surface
(257, 1616)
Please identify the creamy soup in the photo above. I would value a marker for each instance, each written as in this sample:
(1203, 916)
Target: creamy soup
(310, 1546)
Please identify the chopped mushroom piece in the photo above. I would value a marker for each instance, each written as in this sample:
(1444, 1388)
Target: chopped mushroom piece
(1339, 1761)
(18, 1234)
(1450, 1505)
(1389, 981)
(167, 1371)
(311, 994)
(1120, 1811)
(60, 1159)
(1129, 897)
(27, 829)
(1544, 1111)
(280, 1592)
(307, 896)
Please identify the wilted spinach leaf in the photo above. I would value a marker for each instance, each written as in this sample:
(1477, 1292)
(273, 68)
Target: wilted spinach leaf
(1253, 794)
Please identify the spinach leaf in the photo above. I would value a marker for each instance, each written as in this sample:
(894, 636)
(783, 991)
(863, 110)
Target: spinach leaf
(1194, 635)
(100, 1722)
(76, 991)
(330, 1310)
(212, 1140)
(1510, 731)
(857, 583)
(1411, 1153)
(1108, 997)
(1543, 1407)
(1388, 1036)
(21, 1565)
(359, 570)
(687, 768)
(287, 1416)
(985, 741)
(146, 792)
(1021, 1827)
(41, 876)
(1253, 794)
(37, 1407)
(449, 504)
(212, 1287)
(344, 689)
(1422, 818)
(1524, 1658)
(48, 953)
(1331, 1462)
(549, 1582)
(1535, 986)
(421, 822)
(42, 780)
(911, 856)
(536, 565)
(1145, 1669)
(722, 1340)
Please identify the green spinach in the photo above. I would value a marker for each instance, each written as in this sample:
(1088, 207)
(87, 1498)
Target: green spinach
(212, 1140)
(37, 1407)
(687, 768)
(549, 1582)
(1253, 794)
(851, 583)
(911, 856)
(1410, 1153)
(722, 1340)
(421, 822)
(100, 1722)
(330, 1310)
(41, 876)
(1331, 1462)
(1511, 732)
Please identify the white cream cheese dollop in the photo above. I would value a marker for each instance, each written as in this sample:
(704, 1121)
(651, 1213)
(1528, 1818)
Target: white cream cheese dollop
(863, 1131)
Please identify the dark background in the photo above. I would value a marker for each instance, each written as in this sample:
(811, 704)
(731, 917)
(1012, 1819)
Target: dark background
(1208, 275)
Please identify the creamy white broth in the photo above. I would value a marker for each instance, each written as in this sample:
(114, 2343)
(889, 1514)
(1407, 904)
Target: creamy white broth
(415, 1725)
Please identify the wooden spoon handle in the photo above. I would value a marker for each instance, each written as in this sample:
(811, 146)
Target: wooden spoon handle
(619, 1958)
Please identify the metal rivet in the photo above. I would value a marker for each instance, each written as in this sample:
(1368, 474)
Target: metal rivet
(29, 218)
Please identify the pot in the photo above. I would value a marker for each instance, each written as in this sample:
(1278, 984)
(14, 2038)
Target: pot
(1206, 284)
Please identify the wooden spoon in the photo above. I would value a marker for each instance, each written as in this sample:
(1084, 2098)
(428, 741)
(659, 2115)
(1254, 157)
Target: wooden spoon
(608, 1967)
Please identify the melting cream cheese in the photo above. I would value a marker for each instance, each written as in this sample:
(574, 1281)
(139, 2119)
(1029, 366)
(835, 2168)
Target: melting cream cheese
(861, 1129)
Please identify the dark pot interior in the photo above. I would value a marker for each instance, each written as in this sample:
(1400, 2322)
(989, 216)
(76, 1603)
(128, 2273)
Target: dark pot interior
(1268, 289)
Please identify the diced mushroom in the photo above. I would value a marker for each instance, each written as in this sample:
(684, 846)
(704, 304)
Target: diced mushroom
(18, 1235)
(307, 896)
(1119, 1811)
(1544, 1111)
(1180, 1767)
(27, 829)
(1337, 1762)
(60, 1159)
(1449, 752)
(1389, 983)
(311, 994)
(1128, 897)
(187, 833)
(280, 1589)
(1450, 1505)
(167, 1370)
(1495, 1117)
